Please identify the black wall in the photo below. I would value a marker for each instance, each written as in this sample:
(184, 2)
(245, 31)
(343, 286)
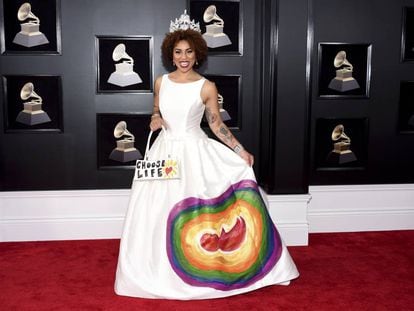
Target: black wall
(279, 102)
(68, 160)
(284, 123)
(385, 151)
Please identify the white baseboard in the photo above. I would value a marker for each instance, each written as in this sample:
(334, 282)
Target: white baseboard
(289, 212)
(354, 208)
(62, 215)
(99, 214)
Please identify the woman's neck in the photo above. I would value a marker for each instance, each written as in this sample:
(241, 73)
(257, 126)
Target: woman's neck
(188, 76)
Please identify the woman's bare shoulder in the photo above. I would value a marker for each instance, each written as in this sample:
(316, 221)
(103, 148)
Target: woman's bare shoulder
(209, 85)
(208, 91)
(157, 83)
(158, 79)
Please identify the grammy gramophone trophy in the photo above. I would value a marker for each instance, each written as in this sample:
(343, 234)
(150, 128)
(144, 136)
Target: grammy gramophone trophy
(32, 112)
(214, 35)
(341, 153)
(29, 35)
(223, 113)
(343, 81)
(124, 74)
(125, 150)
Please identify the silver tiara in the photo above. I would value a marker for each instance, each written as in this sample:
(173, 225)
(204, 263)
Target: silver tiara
(184, 23)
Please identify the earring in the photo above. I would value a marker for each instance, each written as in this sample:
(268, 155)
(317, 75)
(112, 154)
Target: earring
(197, 62)
(173, 64)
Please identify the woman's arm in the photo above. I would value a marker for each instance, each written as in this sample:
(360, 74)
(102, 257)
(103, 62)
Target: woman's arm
(156, 119)
(209, 95)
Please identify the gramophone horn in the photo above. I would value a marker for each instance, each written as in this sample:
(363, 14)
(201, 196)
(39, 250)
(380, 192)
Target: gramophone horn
(25, 12)
(338, 133)
(210, 15)
(340, 60)
(27, 91)
(220, 100)
(121, 130)
(120, 53)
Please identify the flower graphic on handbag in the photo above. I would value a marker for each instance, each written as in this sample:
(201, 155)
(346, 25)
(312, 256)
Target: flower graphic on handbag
(170, 169)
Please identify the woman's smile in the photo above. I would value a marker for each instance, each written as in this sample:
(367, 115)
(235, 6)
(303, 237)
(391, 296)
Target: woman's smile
(184, 64)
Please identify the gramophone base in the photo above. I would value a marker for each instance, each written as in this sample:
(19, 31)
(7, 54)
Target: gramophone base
(131, 154)
(32, 118)
(343, 85)
(341, 158)
(215, 41)
(124, 79)
(30, 39)
(224, 115)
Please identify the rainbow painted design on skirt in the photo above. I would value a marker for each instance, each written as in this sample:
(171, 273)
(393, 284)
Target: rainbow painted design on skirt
(226, 243)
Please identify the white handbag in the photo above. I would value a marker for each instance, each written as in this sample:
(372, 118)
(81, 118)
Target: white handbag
(159, 169)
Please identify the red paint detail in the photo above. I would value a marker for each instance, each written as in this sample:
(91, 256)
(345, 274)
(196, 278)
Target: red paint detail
(228, 241)
(210, 242)
(168, 170)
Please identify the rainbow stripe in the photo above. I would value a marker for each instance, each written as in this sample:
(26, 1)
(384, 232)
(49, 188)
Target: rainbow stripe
(258, 246)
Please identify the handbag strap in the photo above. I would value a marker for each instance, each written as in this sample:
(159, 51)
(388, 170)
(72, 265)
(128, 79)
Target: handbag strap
(148, 144)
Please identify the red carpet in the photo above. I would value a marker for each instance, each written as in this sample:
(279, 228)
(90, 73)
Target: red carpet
(345, 271)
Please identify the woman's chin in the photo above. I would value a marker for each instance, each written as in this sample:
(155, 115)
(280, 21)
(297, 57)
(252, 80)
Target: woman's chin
(185, 69)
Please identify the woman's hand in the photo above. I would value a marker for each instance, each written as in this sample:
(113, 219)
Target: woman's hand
(156, 123)
(247, 157)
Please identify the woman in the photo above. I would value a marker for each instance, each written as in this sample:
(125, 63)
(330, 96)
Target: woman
(179, 49)
(208, 234)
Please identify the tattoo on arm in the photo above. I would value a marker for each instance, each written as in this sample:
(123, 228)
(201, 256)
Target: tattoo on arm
(224, 134)
(223, 130)
(211, 116)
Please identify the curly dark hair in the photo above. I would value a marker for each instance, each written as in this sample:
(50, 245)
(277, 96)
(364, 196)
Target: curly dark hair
(194, 39)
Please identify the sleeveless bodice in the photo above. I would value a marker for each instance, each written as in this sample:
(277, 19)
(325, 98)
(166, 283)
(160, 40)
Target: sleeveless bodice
(181, 106)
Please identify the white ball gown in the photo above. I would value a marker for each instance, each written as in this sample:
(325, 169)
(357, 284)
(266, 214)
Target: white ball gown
(207, 234)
